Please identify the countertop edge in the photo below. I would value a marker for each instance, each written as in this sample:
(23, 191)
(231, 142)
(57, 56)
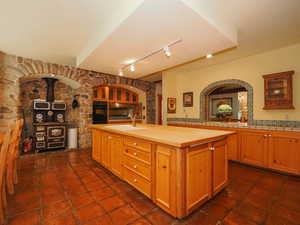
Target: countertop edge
(176, 145)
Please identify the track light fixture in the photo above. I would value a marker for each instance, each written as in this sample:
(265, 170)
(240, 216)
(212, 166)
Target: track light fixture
(167, 51)
(208, 56)
(132, 68)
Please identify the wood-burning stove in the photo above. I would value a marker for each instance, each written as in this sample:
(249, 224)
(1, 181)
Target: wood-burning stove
(49, 121)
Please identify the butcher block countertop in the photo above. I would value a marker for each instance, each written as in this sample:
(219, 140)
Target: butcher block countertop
(174, 136)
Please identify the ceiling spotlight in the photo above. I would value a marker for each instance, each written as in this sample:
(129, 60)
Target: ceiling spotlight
(120, 72)
(132, 68)
(167, 51)
(208, 56)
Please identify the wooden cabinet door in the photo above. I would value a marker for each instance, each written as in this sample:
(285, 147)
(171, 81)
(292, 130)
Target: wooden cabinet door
(165, 178)
(116, 149)
(253, 148)
(220, 165)
(232, 147)
(198, 169)
(284, 154)
(96, 152)
(105, 150)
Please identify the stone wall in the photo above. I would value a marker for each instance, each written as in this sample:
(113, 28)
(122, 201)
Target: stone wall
(14, 69)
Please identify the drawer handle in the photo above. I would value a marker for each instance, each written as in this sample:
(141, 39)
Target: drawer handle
(135, 166)
(135, 143)
(134, 153)
(135, 180)
(164, 167)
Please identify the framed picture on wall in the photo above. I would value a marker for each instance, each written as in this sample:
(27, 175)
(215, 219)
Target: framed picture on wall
(188, 99)
(171, 105)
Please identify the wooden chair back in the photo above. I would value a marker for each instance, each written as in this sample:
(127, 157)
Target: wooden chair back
(13, 152)
(3, 157)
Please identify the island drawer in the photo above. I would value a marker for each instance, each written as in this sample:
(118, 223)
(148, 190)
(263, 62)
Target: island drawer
(137, 143)
(138, 167)
(138, 182)
(138, 154)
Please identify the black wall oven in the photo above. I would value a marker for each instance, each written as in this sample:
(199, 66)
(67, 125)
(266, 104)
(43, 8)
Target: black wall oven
(99, 112)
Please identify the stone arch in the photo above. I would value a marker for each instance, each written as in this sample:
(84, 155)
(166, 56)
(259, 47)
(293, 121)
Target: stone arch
(211, 87)
(15, 69)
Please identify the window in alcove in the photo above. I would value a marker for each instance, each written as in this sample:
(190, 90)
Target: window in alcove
(227, 103)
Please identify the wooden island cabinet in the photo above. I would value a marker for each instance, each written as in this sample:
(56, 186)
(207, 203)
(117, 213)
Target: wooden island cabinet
(272, 149)
(177, 168)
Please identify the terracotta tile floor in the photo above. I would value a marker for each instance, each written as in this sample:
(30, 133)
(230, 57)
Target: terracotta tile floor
(69, 188)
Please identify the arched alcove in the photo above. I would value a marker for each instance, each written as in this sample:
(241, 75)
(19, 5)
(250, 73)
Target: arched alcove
(18, 69)
(213, 86)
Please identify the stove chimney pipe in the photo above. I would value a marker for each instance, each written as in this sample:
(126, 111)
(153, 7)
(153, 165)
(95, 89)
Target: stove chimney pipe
(50, 89)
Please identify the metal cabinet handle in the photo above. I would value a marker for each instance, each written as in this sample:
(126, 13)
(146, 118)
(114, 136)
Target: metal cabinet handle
(134, 153)
(135, 166)
(135, 180)
(135, 143)
(164, 167)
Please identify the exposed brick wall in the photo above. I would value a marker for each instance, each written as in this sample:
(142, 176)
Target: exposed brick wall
(13, 68)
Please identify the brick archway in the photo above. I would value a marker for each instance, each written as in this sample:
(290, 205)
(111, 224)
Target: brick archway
(14, 69)
(206, 91)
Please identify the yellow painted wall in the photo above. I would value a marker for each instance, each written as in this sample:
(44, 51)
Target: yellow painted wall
(191, 77)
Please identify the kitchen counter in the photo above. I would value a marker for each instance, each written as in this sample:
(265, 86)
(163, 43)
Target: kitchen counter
(174, 136)
(163, 162)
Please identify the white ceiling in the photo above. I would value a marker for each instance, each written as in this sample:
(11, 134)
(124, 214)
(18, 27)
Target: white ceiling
(102, 35)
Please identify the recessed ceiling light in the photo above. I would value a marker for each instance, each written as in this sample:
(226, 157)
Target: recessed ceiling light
(208, 56)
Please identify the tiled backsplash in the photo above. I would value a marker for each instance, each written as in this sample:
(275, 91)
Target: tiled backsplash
(256, 124)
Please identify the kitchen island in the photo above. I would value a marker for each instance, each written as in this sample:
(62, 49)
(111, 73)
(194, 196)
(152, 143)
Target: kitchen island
(177, 168)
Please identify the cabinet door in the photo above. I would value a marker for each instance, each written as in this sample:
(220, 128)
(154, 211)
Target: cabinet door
(105, 150)
(198, 176)
(254, 148)
(116, 146)
(165, 178)
(284, 154)
(220, 165)
(96, 153)
(232, 147)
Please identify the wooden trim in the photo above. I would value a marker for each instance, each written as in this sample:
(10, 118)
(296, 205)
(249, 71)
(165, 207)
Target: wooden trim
(188, 62)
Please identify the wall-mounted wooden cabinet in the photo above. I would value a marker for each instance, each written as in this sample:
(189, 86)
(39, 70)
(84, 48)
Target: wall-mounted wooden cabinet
(279, 90)
(115, 94)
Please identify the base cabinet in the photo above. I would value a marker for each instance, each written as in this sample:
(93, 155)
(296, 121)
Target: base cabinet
(254, 148)
(287, 160)
(278, 150)
(165, 178)
(198, 176)
(116, 151)
(233, 147)
(219, 166)
(178, 180)
(96, 153)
